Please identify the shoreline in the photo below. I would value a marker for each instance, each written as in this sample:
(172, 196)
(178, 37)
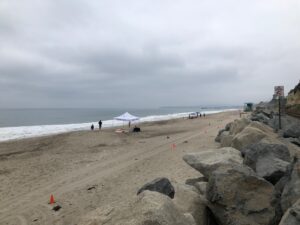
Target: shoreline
(24, 132)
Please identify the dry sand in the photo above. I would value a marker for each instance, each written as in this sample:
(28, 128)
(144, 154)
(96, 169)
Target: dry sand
(86, 170)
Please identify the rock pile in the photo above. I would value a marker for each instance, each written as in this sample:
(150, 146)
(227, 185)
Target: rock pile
(253, 179)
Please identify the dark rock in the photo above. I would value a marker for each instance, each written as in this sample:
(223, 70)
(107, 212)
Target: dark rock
(293, 131)
(56, 208)
(228, 125)
(270, 161)
(239, 197)
(161, 185)
(91, 188)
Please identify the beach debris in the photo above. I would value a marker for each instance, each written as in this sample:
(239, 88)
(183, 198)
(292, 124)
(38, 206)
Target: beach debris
(52, 201)
(56, 208)
(35, 220)
(168, 137)
(91, 188)
(185, 142)
(161, 185)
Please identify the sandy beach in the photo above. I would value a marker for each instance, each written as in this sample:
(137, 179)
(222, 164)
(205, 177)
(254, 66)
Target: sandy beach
(90, 169)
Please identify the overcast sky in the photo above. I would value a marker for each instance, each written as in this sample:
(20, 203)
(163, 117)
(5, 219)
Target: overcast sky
(139, 53)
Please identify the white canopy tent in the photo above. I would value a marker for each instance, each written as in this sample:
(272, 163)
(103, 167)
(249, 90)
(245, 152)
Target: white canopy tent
(127, 117)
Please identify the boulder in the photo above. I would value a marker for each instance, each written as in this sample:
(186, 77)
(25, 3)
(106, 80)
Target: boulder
(226, 139)
(238, 197)
(150, 208)
(161, 185)
(188, 200)
(228, 125)
(261, 127)
(291, 190)
(260, 117)
(270, 161)
(247, 137)
(271, 168)
(238, 125)
(208, 161)
(218, 138)
(293, 131)
(292, 215)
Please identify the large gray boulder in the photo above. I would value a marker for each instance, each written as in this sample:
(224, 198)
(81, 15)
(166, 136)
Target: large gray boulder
(262, 127)
(269, 161)
(218, 138)
(150, 208)
(238, 125)
(188, 200)
(226, 139)
(291, 190)
(248, 136)
(238, 197)
(260, 117)
(293, 131)
(292, 215)
(228, 125)
(208, 161)
(161, 185)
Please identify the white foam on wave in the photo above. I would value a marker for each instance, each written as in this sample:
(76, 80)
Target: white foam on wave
(11, 133)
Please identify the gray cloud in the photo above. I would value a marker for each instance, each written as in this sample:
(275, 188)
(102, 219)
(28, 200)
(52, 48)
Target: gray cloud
(145, 53)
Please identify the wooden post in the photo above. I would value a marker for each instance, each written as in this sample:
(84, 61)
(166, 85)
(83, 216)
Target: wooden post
(279, 111)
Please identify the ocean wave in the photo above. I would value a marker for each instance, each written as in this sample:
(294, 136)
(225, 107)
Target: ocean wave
(12, 133)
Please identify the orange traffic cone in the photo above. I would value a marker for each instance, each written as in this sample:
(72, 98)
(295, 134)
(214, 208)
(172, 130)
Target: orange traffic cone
(52, 201)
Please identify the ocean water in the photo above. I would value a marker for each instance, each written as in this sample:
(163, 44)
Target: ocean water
(25, 123)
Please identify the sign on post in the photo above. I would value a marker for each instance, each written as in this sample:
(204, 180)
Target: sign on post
(279, 91)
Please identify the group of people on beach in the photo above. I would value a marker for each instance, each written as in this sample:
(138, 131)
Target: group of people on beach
(99, 123)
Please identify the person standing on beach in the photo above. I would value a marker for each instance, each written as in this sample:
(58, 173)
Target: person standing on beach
(100, 124)
(92, 127)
